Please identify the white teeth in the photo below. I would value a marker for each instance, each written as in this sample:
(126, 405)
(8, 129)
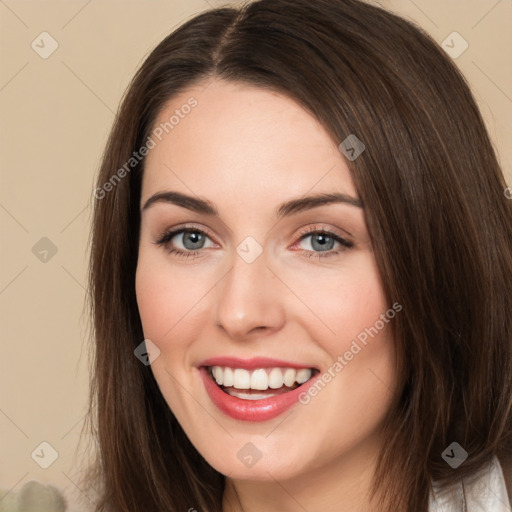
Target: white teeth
(275, 379)
(289, 377)
(218, 375)
(249, 396)
(260, 379)
(241, 379)
(227, 377)
(303, 375)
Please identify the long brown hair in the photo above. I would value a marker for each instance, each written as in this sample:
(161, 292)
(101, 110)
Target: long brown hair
(435, 206)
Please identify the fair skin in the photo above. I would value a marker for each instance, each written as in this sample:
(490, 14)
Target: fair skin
(247, 150)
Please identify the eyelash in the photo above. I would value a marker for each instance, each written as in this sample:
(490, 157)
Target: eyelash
(345, 244)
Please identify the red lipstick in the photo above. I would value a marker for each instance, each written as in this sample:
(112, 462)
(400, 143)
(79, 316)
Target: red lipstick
(252, 410)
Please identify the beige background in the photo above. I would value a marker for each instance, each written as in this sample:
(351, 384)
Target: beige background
(55, 116)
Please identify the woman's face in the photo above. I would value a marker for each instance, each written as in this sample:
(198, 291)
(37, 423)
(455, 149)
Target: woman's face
(257, 278)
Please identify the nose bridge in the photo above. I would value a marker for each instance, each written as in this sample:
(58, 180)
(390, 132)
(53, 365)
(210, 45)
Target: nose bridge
(248, 297)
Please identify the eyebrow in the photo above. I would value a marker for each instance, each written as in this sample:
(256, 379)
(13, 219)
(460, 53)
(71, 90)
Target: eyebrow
(204, 206)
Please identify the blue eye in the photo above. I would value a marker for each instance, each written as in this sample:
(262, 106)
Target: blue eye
(193, 241)
(322, 243)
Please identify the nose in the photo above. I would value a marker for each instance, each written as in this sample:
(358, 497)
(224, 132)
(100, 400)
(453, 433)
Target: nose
(249, 300)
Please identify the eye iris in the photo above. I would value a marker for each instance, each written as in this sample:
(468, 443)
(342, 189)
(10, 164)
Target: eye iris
(322, 242)
(196, 239)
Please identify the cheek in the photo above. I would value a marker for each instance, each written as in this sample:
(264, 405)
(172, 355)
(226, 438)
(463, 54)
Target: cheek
(352, 320)
(342, 302)
(161, 298)
(164, 303)
(171, 303)
(152, 295)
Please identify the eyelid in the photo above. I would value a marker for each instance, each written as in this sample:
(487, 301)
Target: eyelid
(344, 241)
(327, 230)
(183, 227)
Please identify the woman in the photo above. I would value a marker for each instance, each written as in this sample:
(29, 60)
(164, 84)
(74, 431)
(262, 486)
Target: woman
(303, 238)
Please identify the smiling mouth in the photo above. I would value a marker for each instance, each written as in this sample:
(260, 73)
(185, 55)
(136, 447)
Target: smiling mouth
(260, 383)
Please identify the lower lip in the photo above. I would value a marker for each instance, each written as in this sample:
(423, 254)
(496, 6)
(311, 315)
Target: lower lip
(252, 410)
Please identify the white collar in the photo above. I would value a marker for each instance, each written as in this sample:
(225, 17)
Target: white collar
(484, 493)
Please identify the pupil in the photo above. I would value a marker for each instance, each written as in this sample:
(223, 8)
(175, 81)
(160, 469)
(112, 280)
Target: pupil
(321, 242)
(194, 238)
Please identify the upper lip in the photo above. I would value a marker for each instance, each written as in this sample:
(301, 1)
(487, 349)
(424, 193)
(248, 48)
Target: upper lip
(253, 363)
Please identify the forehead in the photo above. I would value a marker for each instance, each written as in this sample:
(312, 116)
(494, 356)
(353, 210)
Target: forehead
(242, 142)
